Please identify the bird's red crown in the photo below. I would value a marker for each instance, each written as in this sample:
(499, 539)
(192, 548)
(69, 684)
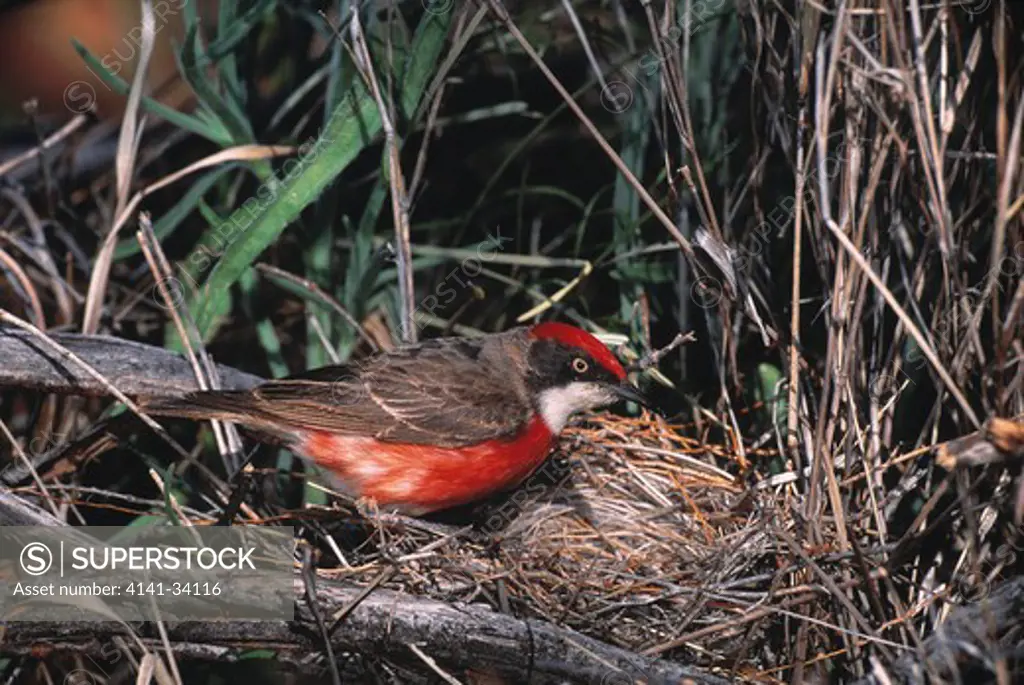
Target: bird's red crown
(577, 337)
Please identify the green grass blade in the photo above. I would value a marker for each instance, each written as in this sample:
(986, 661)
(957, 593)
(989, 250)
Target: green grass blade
(256, 225)
(179, 119)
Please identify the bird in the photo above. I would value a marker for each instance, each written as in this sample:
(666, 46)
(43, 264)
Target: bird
(434, 425)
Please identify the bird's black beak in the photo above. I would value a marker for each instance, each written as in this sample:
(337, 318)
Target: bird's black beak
(630, 392)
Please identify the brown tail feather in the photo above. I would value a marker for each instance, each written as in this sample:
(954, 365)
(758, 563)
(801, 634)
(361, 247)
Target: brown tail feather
(220, 405)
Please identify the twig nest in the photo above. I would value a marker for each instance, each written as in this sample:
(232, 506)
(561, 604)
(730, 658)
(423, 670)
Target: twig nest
(618, 536)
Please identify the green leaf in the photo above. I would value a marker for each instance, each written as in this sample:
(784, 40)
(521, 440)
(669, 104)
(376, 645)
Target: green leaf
(260, 220)
(192, 63)
(238, 28)
(266, 333)
(184, 121)
(644, 272)
(769, 382)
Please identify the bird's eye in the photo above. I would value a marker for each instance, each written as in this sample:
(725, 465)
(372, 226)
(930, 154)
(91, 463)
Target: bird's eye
(580, 365)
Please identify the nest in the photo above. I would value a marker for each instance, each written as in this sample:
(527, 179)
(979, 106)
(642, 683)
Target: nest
(629, 534)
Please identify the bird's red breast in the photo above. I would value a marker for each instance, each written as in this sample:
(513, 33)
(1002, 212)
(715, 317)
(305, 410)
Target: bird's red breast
(422, 478)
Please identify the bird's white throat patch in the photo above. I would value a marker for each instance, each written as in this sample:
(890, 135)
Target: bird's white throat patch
(558, 404)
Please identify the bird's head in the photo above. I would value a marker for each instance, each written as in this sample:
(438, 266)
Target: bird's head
(570, 371)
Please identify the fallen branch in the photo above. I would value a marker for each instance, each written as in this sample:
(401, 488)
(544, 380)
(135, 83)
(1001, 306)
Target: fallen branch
(383, 624)
(136, 369)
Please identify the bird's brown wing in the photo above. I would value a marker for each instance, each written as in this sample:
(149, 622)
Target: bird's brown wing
(438, 393)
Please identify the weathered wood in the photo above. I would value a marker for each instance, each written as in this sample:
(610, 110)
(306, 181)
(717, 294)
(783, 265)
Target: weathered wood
(136, 369)
(460, 637)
